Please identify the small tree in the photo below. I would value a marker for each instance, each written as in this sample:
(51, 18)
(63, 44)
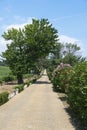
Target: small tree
(70, 54)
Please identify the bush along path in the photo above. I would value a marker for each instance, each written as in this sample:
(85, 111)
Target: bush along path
(6, 93)
(36, 108)
(73, 82)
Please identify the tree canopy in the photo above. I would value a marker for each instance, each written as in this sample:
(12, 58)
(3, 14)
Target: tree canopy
(71, 54)
(28, 45)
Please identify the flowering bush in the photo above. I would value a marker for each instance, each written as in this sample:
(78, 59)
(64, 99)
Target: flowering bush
(73, 81)
(61, 77)
(77, 91)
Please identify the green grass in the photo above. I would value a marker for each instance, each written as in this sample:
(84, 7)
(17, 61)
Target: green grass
(4, 71)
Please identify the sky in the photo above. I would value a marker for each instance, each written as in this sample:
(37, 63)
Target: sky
(69, 17)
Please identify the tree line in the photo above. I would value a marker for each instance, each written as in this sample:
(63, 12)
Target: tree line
(36, 46)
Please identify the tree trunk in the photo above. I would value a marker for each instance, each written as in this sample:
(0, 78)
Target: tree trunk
(20, 78)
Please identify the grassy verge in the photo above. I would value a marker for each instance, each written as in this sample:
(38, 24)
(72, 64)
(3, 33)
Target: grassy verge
(4, 70)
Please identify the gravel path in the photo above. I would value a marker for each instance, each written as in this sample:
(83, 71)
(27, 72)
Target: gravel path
(36, 108)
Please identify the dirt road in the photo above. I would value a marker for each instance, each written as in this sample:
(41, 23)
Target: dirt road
(36, 108)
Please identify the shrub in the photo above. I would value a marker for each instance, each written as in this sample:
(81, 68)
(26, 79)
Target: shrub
(20, 87)
(49, 72)
(27, 82)
(61, 77)
(34, 80)
(8, 78)
(3, 97)
(1, 82)
(77, 91)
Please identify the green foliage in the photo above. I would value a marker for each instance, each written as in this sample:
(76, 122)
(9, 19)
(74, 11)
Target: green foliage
(4, 71)
(66, 53)
(1, 82)
(71, 48)
(57, 51)
(50, 72)
(20, 87)
(3, 97)
(28, 45)
(71, 54)
(73, 81)
(61, 77)
(77, 91)
(14, 53)
(40, 38)
(28, 75)
(2, 63)
(27, 83)
(8, 78)
(33, 80)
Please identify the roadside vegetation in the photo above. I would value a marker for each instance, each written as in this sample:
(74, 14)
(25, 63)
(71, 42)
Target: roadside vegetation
(68, 75)
(9, 86)
(36, 47)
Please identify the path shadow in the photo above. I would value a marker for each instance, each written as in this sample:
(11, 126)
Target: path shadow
(11, 83)
(56, 89)
(44, 74)
(62, 99)
(42, 82)
(78, 125)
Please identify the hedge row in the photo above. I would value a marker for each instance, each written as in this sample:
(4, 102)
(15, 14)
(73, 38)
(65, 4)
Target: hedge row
(6, 79)
(77, 91)
(20, 87)
(3, 97)
(10, 78)
(73, 81)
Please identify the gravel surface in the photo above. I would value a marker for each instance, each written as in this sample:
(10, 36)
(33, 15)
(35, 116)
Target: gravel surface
(36, 108)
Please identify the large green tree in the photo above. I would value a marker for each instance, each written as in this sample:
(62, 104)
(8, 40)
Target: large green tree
(29, 45)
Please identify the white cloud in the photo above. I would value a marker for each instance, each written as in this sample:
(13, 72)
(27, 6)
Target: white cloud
(2, 45)
(66, 39)
(17, 26)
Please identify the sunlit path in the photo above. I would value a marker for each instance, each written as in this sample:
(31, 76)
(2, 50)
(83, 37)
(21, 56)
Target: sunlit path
(36, 108)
